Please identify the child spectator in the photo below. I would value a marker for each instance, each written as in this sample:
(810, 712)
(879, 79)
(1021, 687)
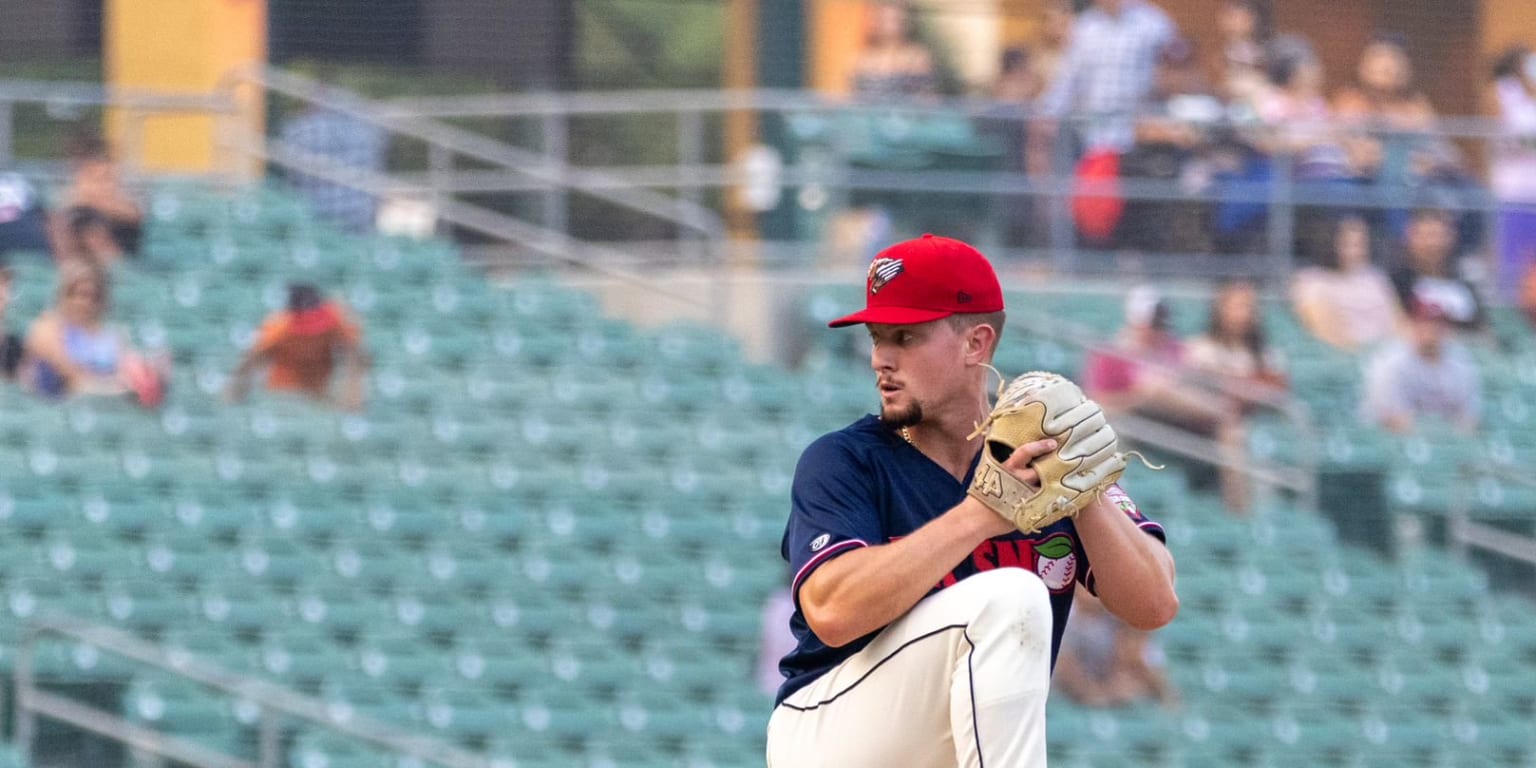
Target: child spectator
(1344, 300)
(1428, 269)
(72, 350)
(302, 347)
(1427, 376)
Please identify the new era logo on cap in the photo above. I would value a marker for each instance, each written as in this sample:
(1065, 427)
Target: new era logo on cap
(927, 279)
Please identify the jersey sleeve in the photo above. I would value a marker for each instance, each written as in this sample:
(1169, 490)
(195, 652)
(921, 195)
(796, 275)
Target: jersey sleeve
(832, 509)
(273, 330)
(1123, 502)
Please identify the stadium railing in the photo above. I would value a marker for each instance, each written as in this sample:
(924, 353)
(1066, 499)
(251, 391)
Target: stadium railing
(277, 705)
(923, 153)
(1468, 528)
(138, 106)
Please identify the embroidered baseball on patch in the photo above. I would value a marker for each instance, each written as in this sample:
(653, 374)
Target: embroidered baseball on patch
(820, 542)
(882, 271)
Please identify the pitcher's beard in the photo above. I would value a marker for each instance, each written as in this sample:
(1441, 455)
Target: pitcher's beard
(908, 416)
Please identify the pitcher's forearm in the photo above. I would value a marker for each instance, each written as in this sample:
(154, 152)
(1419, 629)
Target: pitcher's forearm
(868, 588)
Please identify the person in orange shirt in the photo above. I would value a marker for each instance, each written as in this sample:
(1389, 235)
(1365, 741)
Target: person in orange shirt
(302, 347)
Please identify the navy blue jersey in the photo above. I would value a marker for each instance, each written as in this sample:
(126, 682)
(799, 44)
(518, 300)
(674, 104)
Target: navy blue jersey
(862, 486)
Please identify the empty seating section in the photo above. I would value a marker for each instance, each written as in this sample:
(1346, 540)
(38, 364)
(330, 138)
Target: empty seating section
(550, 535)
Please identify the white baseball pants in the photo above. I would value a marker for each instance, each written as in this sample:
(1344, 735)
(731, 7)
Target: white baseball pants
(960, 680)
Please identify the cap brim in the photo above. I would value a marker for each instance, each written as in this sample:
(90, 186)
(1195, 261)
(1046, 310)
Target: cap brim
(891, 316)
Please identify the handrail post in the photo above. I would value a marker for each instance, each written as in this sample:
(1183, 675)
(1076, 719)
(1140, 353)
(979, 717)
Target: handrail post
(556, 143)
(1282, 218)
(439, 172)
(269, 740)
(134, 161)
(690, 152)
(1061, 181)
(7, 133)
(25, 727)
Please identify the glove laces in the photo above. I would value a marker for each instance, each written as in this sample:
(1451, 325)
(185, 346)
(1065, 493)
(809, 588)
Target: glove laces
(993, 413)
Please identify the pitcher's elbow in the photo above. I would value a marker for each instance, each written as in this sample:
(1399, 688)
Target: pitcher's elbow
(1159, 613)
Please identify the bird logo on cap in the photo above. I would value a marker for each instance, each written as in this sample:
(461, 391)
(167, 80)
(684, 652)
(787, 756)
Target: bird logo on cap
(881, 271)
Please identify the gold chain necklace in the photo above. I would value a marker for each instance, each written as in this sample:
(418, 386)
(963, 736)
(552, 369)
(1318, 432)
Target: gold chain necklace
(906, 434)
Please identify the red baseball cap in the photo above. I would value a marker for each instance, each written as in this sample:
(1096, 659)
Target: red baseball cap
(926, 279)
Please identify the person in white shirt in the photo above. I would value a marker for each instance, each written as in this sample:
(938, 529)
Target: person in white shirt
(1428, 376)
(1346, 301)
(1108, 70)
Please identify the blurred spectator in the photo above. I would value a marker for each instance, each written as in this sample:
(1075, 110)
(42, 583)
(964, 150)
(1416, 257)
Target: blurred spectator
(348, 145)
(1513, 169)
(1245, 27)
(1233, 349)
(1172, 136)
(1108, 71)
(1106, 663)
(11, 347)
(776, 640)
(1428, 270)
(95, 219)
(1017, 82)
(1050, 45)
(1383, 95)
(1144, 374)
(23, 222)
(302, 346)
(72, 350)
(1344, 300)
(86, 234)
(1387, 119)
(1045, 57)
(1298, 115)
(892, 65)
(1427, 376)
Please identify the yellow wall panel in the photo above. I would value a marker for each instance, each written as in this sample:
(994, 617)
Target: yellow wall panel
(188, 47)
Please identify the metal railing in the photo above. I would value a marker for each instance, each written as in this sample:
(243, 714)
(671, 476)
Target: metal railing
(827, 163)
(277, 706)
(446, 145)
(138, 106)
(1467, 529)
(522, 169)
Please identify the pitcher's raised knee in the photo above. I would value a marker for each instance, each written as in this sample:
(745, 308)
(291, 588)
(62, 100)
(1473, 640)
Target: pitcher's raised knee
(1008, 596)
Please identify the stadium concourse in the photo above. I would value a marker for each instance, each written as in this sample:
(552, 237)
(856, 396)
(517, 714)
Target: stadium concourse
(549, 536)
